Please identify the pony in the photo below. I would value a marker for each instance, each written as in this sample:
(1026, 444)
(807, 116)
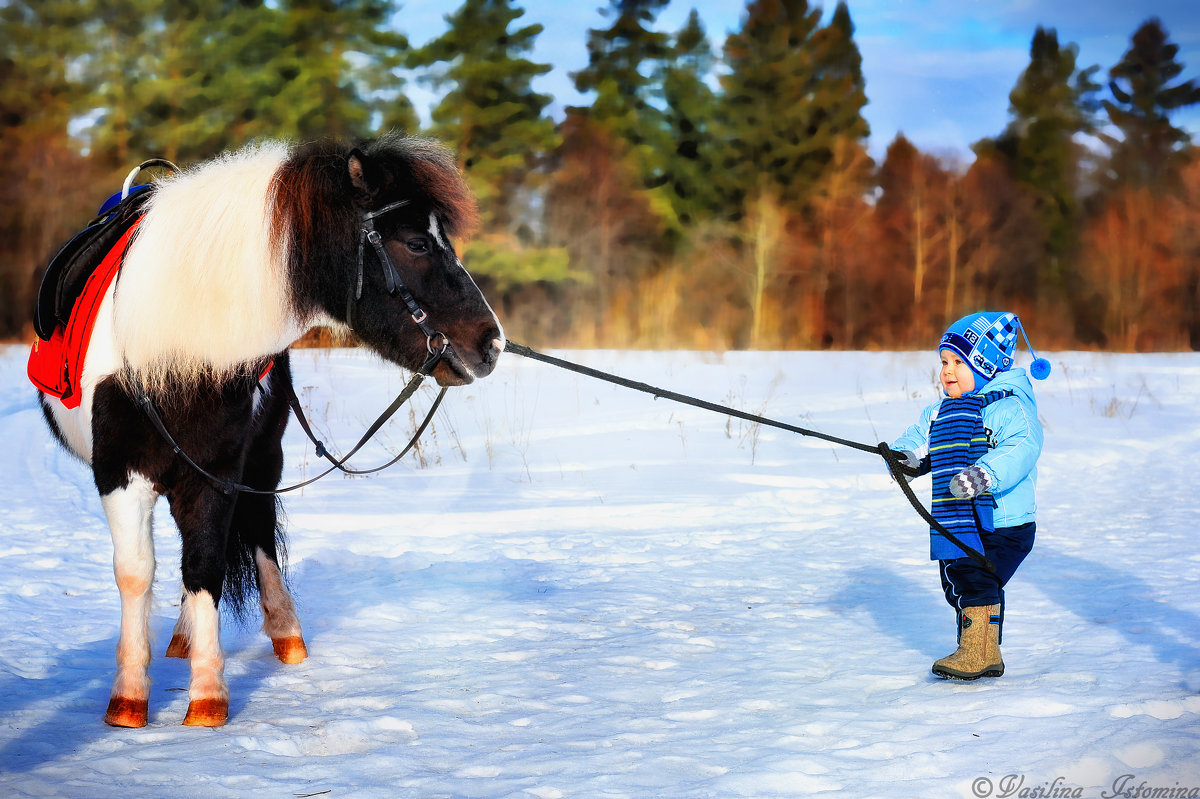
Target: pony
(234, 260)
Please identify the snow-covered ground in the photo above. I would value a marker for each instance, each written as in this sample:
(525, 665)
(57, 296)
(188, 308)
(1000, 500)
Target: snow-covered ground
(580, 591)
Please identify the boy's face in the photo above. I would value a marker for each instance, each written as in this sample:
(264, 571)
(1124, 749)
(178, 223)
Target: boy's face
(957, 378)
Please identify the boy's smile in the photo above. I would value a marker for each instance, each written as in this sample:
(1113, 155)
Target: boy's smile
(956, 376)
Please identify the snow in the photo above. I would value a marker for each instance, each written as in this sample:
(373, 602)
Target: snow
(579, 591)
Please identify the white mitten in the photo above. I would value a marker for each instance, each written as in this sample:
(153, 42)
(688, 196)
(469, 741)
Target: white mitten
(971, 482)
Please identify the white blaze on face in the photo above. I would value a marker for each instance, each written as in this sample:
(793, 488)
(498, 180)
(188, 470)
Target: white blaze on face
(435, 230)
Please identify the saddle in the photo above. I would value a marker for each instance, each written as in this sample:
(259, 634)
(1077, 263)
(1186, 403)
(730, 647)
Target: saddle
(73, 286)
(76, 260)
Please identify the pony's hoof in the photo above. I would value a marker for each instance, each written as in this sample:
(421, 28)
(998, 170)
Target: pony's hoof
(290, 650)
(207, 713)
(124, 712)
(179, 647)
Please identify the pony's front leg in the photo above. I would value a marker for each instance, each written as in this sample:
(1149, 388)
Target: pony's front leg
(203, 514)
(208, 693)
(130, 513)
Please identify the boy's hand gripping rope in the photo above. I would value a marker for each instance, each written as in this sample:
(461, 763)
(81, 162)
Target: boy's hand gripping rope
(893, 459)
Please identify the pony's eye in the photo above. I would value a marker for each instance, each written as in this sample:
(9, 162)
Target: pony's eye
(418, 245)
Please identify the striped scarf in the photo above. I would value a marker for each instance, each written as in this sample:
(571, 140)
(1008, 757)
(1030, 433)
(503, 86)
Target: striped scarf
(957, 440)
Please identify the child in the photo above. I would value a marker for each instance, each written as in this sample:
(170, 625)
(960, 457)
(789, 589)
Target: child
(981, 443)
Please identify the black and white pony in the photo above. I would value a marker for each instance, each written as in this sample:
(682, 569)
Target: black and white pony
(234, 260)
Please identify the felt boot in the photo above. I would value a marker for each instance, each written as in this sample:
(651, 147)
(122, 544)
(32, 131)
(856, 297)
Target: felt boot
(978, 653)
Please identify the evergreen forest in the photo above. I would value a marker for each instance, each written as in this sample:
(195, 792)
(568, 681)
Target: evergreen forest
(712, 194)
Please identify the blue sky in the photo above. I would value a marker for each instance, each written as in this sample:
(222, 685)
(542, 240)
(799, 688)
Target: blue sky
(937, 70)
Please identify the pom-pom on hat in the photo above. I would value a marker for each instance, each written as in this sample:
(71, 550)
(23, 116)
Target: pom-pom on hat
(987, 341)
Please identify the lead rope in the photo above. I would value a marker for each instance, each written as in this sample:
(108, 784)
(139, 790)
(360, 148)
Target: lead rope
(890, 457)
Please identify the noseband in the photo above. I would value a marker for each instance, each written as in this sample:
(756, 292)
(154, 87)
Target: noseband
(391, 279)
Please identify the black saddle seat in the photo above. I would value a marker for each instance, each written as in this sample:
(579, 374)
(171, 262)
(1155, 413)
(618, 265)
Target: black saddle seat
(75, 261)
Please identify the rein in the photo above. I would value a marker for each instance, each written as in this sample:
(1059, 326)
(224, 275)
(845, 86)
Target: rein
(230, 486)
(891, 458)
(442, 349)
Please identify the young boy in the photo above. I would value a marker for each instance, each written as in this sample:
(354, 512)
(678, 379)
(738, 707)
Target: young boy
(981, 443)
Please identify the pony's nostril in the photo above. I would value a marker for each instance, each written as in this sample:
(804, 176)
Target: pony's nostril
(494, 348)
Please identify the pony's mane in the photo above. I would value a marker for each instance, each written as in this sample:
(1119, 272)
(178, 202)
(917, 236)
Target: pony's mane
(201, 292)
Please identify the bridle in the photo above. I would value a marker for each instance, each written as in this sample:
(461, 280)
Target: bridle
(394, 285)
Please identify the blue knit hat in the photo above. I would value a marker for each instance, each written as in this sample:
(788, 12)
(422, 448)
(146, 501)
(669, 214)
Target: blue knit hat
(987, 341)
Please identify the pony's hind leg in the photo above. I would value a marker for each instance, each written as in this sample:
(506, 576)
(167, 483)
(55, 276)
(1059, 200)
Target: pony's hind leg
(280, 622)
(181, 636)
(256, 519)
(130, 513)
(255, 523)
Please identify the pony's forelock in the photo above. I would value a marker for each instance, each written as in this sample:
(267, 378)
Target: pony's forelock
(436, 178)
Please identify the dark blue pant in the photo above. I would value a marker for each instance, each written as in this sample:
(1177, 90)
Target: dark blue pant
(967, 584)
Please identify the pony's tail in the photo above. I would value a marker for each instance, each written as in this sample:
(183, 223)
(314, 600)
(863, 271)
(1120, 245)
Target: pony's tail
(246, 535)
(258, 522)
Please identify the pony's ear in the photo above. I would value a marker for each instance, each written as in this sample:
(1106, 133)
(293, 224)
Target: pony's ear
(361, 172)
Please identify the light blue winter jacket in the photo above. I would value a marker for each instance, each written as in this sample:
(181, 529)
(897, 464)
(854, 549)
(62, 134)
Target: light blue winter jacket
(1014, 444)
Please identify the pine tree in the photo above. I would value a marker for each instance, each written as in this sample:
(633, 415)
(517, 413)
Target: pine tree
(792, 89)
(792, 102)
(840, 93)
(1052, 104)
(495, 120)
(1143, 273)
(198, 88)
(336, 69)
(491, 114)
(836, 205)
(621, 59)
(624, 61)
(1151, 151)
(688, 149)
(186, 81)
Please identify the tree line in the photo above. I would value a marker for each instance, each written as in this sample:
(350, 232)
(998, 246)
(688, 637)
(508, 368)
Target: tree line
(710, 195)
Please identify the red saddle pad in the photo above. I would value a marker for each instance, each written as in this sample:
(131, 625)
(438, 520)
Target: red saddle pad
(56, 366)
